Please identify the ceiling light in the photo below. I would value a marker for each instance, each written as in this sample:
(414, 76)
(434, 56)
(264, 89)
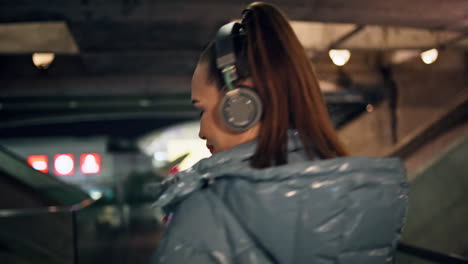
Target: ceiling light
(43, 60)
(429, 56)
(339, 57)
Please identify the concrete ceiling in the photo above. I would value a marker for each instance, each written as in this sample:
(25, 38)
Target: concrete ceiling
(163, 38)
(150, 47)
(111, 35)
(136, 26)
(433, 14)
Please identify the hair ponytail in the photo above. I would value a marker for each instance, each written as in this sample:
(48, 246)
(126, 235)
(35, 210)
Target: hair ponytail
(285, 81)
(264, 50)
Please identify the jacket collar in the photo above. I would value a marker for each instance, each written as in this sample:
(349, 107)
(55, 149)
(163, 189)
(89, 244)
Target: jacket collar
(181, 184)
(229, 164)
(243, 152)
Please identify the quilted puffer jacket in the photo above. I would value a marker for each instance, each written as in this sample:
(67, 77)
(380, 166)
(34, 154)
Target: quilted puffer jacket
(343, 210)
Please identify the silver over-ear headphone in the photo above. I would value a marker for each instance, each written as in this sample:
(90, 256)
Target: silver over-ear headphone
(241, 107)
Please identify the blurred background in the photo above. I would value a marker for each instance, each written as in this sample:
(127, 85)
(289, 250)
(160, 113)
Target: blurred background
(95, 111)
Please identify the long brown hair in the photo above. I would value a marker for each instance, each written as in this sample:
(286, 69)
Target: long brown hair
(286, 83)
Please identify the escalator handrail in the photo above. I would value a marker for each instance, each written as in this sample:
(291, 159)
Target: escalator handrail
(48, 209)
(455, 114)
(431, 255)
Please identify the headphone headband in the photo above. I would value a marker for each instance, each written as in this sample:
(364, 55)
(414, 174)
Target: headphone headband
(246, 15)
(225, 52)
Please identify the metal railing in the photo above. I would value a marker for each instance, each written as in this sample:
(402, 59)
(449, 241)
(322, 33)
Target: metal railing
(24, 217)
(431, 255)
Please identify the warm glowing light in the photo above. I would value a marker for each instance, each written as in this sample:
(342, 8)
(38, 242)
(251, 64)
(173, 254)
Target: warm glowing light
(90, 163)
(178, 147)
(39, 165)
(43, 60)
(429, 56)
(339, 57)
(39, 162)
(95, 194)
(64, 164)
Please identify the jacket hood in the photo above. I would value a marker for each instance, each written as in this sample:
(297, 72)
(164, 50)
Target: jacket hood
(350, 208)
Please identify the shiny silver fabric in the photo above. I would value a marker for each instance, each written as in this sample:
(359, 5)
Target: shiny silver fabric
(344, 210)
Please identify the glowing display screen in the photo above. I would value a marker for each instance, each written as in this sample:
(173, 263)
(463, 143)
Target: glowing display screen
(64, 164)
(90, 163)
(39, 162)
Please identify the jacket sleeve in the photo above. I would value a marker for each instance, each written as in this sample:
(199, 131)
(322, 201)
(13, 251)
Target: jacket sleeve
(193, 234)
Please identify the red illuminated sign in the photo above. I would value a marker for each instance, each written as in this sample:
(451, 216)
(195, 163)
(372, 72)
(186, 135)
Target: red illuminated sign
(64, 164)
(90, 163)
(174, 170)
(39, 162)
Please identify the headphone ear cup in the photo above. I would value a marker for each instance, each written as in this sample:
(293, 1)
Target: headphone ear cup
(240, 109)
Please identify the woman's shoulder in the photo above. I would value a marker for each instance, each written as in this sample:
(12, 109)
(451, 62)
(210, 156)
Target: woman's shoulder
(340, 170)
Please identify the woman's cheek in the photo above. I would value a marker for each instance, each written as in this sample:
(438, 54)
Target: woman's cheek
(216, 118)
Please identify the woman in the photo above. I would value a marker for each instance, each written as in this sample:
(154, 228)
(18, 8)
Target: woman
(279, 187)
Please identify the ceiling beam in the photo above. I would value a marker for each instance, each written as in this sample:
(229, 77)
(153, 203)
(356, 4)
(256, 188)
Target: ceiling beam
(337, 42)
(20, 38)
(456, 40)
(391, 12)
